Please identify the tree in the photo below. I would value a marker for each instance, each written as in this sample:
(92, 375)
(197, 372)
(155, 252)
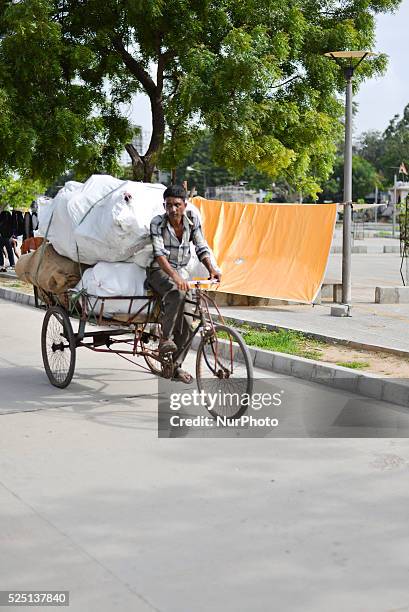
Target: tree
(18, 193)
(371, 147)
(388, 150)
(250, 71)
(364, 180)
(205, 172)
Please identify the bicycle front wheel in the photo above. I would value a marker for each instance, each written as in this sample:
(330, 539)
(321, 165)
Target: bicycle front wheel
(224, 373)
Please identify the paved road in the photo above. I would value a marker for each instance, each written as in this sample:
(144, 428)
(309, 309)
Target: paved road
(92, 501)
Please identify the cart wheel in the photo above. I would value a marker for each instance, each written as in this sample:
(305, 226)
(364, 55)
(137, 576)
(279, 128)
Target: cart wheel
(58, 347)
(223, 366)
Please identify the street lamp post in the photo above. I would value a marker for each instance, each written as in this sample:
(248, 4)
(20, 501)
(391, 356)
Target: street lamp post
(345, 60)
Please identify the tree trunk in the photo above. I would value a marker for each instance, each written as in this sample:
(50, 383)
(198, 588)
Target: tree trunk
(137, 162)
(143, 166)
(151, 156)
(148, 170)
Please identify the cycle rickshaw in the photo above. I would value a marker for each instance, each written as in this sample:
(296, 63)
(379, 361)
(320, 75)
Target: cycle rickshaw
(223, 362)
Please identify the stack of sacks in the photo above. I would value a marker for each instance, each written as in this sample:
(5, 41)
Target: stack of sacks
(107, 220)
(113, 280)
(118, 225)
(104, 219)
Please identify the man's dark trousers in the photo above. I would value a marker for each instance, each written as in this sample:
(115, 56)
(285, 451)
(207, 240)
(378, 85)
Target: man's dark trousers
(173, 322)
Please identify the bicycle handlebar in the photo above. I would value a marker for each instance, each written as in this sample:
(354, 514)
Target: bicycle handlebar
(202, 281)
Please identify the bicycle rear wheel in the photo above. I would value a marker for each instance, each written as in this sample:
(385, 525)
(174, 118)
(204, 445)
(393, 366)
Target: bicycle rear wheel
(151, 336)
(224, 372)
(150, 342)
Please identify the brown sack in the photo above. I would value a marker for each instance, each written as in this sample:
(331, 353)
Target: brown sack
(46, 269)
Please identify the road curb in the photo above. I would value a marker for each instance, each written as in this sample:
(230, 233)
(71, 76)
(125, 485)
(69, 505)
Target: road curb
(17, 296)
(337, 377)
(330, 375)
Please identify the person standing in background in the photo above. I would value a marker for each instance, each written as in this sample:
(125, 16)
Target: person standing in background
(5, 236)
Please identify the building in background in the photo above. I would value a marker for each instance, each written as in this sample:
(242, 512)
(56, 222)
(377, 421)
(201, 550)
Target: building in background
(234, 193)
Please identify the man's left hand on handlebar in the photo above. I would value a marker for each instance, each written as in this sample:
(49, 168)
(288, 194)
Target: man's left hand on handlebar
(215, 275)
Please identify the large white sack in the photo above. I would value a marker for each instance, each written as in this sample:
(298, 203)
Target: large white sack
(97, 221)
(117, 226)
(45, 209)
(71, 204)
(93, 191)
(114, 279)
(143, 256)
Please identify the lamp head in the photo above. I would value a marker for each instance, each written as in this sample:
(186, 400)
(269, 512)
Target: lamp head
(350, 54)
(349, 66)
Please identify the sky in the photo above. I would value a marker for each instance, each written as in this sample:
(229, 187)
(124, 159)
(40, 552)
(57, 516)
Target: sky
(379, 99)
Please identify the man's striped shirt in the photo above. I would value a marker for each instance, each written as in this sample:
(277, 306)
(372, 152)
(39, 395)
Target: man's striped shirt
(165, 241)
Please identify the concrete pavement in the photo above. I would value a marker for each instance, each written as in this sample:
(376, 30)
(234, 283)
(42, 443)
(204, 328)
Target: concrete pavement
(379, 325)
(92, 501)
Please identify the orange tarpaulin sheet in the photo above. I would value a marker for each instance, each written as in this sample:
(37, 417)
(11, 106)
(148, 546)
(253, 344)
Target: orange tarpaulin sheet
(269, 250)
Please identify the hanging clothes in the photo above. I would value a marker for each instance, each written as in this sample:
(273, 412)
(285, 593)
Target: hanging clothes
(6, 224)
(17, 223)
(28, 226)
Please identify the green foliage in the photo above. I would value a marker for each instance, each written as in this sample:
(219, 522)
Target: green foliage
(18, 192)
(364, 180)
(205, 172)
(252, 72)
(386, 151)
(281, 341)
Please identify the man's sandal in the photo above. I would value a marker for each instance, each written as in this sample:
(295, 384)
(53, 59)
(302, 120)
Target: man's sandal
(183, 376)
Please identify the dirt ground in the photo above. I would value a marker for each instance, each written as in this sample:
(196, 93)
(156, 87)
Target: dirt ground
(17, 285)
(383, 364)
